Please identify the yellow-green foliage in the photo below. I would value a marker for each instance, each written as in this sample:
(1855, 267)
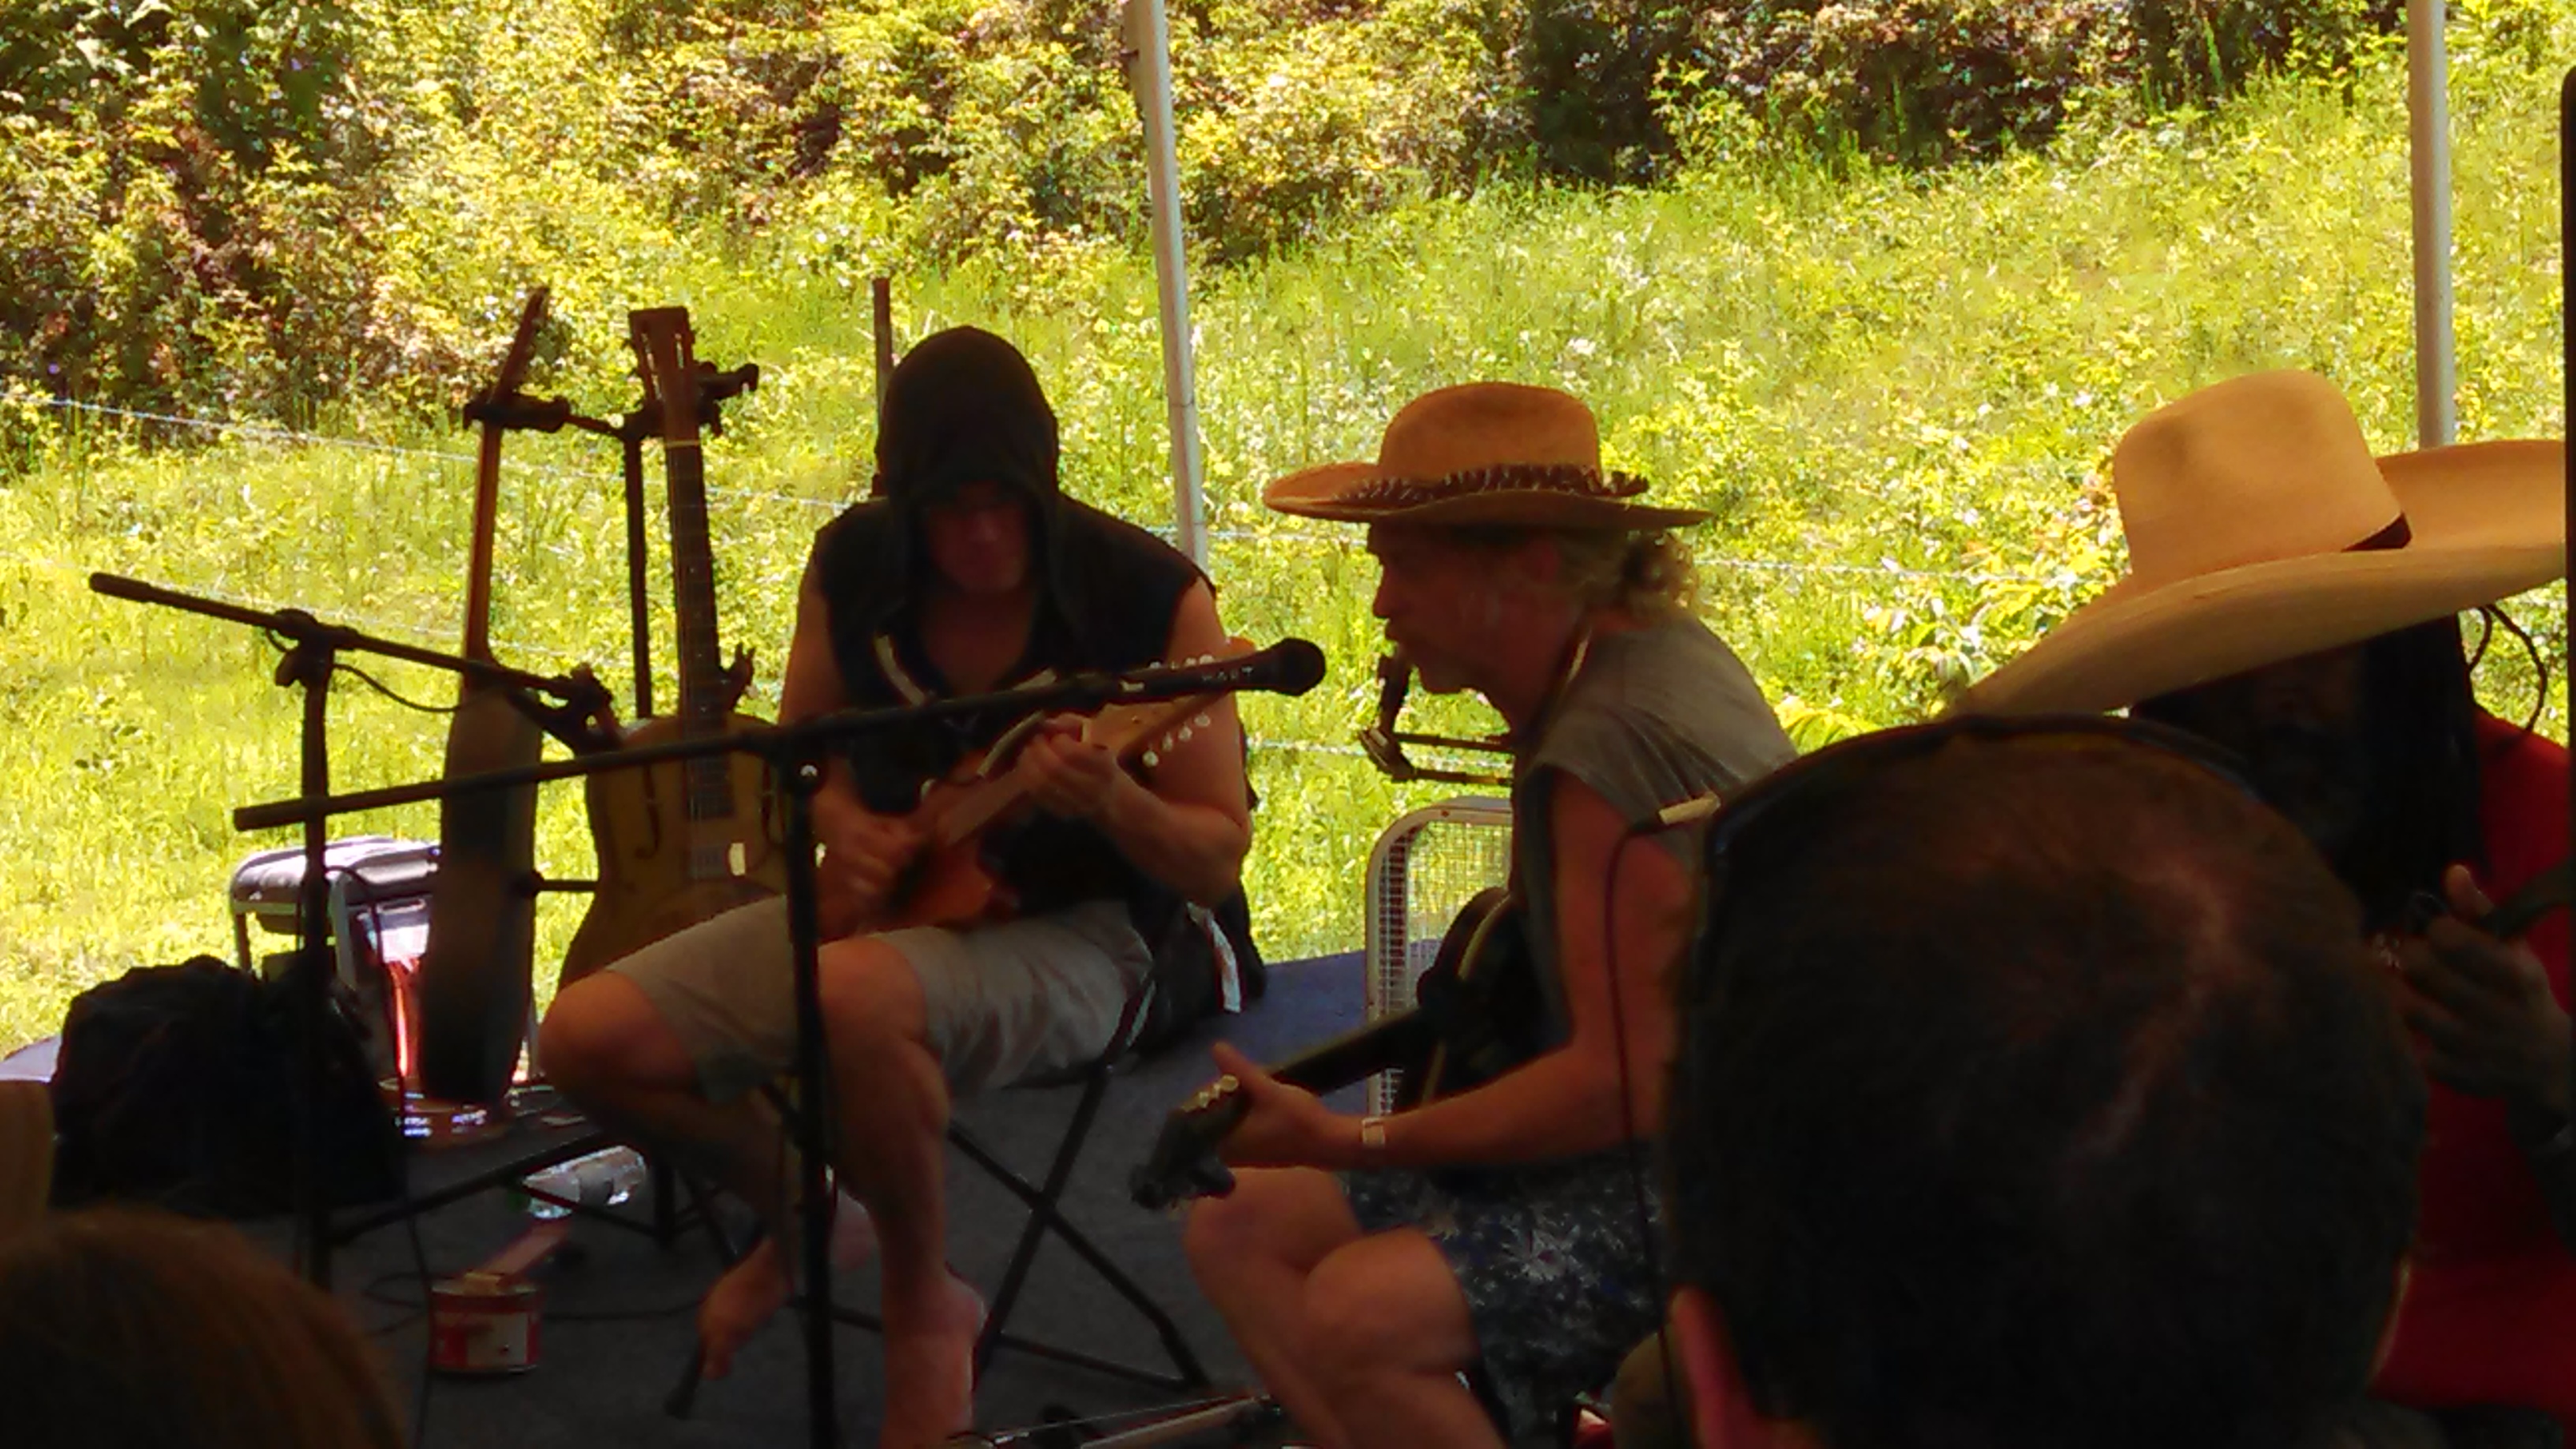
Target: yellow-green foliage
(1896, 390)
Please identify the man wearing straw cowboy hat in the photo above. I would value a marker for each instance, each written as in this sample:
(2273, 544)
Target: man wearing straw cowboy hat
(1501, 1229)
(2296, 600)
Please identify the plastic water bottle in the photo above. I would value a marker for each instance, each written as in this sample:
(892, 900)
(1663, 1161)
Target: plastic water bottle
(602, 1179)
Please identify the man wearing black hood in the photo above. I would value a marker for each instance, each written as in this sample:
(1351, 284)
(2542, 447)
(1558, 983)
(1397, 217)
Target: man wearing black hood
(968, 571)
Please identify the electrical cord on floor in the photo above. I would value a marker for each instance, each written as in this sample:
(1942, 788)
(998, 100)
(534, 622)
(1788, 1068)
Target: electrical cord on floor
(428, 1330)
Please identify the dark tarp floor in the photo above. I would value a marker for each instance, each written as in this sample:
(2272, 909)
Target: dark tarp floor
(617, 1327)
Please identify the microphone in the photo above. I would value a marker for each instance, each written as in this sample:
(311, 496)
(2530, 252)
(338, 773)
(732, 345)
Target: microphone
(1291, 666)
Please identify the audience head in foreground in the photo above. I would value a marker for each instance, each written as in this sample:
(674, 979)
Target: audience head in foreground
(2033, 1089)
(121, 1329)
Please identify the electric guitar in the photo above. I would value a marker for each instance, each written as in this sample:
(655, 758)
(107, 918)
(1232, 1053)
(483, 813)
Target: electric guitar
(680, 842)
(1478, 1015)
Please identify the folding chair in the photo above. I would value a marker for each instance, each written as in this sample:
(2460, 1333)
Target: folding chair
(1046, 1215)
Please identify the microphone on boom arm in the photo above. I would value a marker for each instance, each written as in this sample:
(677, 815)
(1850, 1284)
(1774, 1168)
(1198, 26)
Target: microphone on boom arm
(1291, 666)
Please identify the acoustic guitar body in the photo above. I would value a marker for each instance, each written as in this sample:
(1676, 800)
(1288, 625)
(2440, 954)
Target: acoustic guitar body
(473, 982)
(661, 869)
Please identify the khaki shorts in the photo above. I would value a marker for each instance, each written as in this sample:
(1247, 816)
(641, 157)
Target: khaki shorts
(1006, 1002)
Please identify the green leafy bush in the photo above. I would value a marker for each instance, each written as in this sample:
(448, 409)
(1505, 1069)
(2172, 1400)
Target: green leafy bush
(1931, 80)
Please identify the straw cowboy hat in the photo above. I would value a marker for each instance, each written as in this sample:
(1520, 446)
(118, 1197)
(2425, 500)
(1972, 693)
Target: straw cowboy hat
(2261, 529)
(1488, 454)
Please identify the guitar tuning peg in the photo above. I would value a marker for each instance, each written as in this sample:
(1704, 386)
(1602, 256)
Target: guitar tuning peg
(1185, 734)
(1201, 721)
(1153, 758)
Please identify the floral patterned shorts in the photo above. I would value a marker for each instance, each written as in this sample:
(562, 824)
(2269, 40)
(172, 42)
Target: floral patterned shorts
(1558, 1282)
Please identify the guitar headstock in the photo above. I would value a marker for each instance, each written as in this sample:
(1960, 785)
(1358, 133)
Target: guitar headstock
(1147, 732)
(523, 349)
(666, 360)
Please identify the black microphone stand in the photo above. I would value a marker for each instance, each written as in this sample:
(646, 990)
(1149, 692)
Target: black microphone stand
(313, 650)
(795, 755)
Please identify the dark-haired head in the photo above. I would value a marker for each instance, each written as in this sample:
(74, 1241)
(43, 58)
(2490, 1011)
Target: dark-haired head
(963, 406)
(2034, 1096)
(2370, 749)
(968, 452)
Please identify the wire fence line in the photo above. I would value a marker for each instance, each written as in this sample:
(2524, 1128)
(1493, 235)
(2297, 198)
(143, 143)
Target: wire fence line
(395, 628)
(1884, 569)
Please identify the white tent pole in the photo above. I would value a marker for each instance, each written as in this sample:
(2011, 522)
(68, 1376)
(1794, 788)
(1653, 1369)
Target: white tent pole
(2429, 149)
(1147, 31)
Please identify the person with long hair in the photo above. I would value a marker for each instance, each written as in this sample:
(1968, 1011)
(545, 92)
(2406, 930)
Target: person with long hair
(2296, 600)
(1365, 1264)
(127, 1329)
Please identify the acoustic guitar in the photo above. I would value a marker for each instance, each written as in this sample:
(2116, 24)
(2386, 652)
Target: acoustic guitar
(1478, 1015)
(680, 842)
(473, 982)
(951, 883)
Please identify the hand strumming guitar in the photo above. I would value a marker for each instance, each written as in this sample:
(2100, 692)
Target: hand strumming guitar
(2484, 1013)
(864, 856)
(1067, 774)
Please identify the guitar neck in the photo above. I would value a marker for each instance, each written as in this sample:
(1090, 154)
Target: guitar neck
(487, 483)
(703, 687)
(1128, 731)
(664, 355)
(478, 566)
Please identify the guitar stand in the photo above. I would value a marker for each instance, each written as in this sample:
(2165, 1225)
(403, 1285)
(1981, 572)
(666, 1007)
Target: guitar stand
(631, 432)
(795, 755)
(312, 656)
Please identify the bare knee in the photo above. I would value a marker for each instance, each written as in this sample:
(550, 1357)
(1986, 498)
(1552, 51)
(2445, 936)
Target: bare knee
(603, 1030)
(870, 997)
(1383, 1306)
(1267, 1221)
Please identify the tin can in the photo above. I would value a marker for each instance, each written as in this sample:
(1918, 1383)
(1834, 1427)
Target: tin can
(480, 1323)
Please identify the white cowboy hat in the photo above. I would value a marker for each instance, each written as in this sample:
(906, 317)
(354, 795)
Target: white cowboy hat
(2261, 529)
(1486, 454)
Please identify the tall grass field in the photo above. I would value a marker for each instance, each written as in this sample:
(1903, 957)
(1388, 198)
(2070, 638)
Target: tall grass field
(1897, 391)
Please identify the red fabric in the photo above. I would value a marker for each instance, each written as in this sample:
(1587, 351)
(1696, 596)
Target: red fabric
(2490, 1312)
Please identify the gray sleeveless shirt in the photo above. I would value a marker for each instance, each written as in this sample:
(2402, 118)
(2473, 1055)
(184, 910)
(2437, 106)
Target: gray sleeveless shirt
(1655, 716)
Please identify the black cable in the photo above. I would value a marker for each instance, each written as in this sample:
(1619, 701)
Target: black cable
(1627, 1103)
(428, 1331)
(419, 1307)
(380, 687)
(2530, 647)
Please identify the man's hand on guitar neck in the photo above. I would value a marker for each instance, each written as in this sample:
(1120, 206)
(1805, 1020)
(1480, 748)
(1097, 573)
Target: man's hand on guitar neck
(1283, 1126)
(1067, 775)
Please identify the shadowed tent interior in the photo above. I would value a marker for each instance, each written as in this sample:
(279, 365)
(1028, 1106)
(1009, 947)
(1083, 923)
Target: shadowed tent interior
(619, 1314)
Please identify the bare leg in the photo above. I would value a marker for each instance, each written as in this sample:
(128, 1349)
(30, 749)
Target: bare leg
(753, 1290)
(892, 1128)
(611, 1052)
(1391, 1333)
(607, 1049)
(1252, 1252)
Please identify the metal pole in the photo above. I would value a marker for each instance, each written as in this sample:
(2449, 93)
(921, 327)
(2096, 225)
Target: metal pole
(881, 310)
(2429, 149)
(1148, 37)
